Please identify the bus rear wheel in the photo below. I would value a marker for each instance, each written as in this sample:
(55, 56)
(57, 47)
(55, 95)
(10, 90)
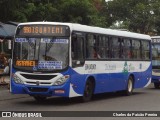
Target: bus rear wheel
(88, 91)
(129, 89)
(157, 85)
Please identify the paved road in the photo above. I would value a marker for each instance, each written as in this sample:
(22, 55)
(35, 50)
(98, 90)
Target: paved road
(147, 99)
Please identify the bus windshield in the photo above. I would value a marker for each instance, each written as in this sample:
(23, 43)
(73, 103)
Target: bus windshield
(41, 54)
(155, 55)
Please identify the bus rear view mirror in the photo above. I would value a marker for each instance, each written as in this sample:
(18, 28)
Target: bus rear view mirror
(77, 63)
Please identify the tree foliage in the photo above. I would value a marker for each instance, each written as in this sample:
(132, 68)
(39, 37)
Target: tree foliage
(77, 11)
(141, 16)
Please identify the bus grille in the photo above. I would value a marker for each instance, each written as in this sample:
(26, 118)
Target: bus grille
(40, 83)
(34, 89)
(38, 77)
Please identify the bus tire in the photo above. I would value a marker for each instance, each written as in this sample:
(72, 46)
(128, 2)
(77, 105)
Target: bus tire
(88, 91)
(129, 89)
(156, 85)
(40, 98)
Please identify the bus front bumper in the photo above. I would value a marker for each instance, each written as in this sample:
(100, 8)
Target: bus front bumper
(47, 91)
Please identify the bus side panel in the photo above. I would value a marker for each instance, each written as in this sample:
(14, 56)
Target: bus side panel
(115, 78)
(103, 83)
(119, 81)
(144, 80)
(78, 82)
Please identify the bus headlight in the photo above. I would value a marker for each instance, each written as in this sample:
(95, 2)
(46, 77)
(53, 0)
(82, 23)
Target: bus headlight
(61, 80)
(17, 79)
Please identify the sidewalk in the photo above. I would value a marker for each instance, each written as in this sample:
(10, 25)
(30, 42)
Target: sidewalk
(5, 85)
(7, 80)
(5, 92)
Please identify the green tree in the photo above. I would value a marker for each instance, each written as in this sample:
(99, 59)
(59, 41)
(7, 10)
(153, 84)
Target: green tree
(88, 12)
(137, 14)
(156, 16)
(9, 10)
(84, 12)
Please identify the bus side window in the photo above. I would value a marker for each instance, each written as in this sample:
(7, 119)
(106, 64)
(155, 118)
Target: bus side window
(115, 47)
(77, 49)
(136, 49)
(102, 47)
(91, 49)
(145, 50)
(127, 48)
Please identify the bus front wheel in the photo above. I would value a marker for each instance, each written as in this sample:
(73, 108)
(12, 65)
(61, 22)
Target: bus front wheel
(88, 91)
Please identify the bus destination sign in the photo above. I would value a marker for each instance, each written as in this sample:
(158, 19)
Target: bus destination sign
(45, 30)
(27, 63)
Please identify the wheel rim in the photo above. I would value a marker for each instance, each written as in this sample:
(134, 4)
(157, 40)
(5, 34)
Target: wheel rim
(130, 86)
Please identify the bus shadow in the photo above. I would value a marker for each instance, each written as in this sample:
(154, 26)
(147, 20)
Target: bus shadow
(112, 95)
(61, 101)
(153, 89)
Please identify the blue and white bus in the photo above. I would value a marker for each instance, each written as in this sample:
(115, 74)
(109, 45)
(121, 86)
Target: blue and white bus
(156, 61)
(70, 60)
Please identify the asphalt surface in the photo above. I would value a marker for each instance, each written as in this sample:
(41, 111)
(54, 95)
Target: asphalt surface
(145, 99)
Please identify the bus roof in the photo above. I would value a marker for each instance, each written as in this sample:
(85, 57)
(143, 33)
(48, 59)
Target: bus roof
(92, 29)
(155, 36)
